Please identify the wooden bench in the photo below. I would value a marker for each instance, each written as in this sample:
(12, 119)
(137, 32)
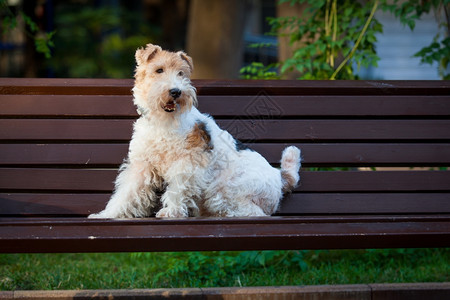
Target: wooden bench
(62, 141)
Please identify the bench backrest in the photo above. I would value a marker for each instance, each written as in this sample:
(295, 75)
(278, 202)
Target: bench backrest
(62, 141)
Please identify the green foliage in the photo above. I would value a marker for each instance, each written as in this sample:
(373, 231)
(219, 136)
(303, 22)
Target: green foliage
(8, 23)
(329, 34)
(220, 268)
(206, 269)
(97, 42)
(257, 70)
(31, 24)
(410, 11)
(439, 50)
(43, 41)
(332, 37)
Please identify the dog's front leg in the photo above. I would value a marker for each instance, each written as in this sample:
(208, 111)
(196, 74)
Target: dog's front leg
(134, 194)
(177, 200)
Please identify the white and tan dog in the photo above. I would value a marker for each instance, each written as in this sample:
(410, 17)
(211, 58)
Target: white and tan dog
(202, 169)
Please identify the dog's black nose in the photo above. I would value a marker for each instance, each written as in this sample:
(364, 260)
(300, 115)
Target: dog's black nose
(175, 93)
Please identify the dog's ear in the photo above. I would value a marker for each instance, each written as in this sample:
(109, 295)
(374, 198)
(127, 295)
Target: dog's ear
(145, 55)
(187, 58)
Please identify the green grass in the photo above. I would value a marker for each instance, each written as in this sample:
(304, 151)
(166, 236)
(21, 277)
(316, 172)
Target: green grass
(205, 269)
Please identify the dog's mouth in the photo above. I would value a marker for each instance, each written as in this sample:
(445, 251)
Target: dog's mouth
(170, 106)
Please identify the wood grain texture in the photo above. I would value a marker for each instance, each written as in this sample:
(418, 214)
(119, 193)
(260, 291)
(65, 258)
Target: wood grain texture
(300, 203)
(314, 154)
(247, 130)
(61, 86)
(325, 181)
(273, 106)
(223, 234)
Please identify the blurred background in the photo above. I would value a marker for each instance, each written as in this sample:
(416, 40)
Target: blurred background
(97, 38)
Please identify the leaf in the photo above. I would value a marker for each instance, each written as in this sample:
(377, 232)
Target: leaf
(31, 24)
(43, 44)
(348, 11)
(9, 23)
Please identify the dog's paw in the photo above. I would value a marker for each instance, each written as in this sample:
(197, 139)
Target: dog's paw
(95, 216)
(167, 212)
(100, 215)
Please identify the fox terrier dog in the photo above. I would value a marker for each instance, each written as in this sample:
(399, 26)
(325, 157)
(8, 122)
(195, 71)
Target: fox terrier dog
(200, 169)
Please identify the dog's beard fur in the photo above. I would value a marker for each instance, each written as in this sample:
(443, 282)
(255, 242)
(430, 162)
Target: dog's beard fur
(156, 107)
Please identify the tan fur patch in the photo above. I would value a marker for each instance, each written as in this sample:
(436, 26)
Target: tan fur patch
(187, 59)
(199, 138)
(288, 181)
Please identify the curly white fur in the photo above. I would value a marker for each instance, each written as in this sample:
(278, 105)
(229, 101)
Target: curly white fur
(185, 154)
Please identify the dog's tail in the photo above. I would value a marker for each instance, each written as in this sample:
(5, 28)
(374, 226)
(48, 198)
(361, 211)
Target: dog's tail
(290, 165)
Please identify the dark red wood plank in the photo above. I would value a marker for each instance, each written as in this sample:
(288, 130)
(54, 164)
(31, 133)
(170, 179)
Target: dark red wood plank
(300, 106)
(76, 86)
(65, 86)
(58, 179)
(270, 233)
(365, 154)
(322, 87)
(357, 218)
(57, 205)
(231, 106)
(365, 203)
(96, 130)
(361, 154)
(250, 130)
(316, 130)
(375, 181)
(67, 105)
(330, 181)
(25, 204)
(63, 154)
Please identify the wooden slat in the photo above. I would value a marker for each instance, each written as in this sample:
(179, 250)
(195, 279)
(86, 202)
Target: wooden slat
(268, 233)
(330, 181)
(55, 86)
(361, 154)
(88, 130)
(250, 130)
(58, 179)
(67, 105)
(231, 106)
(365, 203)
(65, 86)
(25, 204)
(63, 154)
(274, 106)
(321, 87)
(375, 181)
(351, 154)
(316, 130)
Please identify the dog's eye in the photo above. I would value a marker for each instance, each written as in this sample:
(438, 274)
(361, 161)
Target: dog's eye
(160, 70)
(180, 73)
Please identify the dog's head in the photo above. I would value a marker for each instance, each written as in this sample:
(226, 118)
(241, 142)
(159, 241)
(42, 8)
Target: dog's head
(163, 84)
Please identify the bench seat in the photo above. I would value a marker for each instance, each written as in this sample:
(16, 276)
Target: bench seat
(62, 141)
